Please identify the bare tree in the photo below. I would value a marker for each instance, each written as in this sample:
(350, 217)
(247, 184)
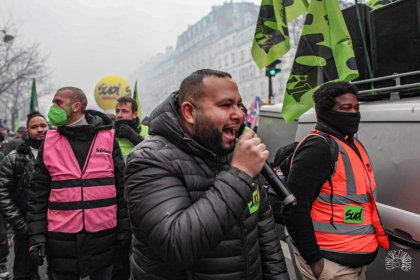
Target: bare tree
(19, 64)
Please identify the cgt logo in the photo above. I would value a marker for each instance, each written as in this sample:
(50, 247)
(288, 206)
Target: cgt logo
(102, 151)
(398, 259)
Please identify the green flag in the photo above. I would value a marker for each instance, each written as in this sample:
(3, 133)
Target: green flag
(18, 122)
(34, 98)
(374, 4)
(295, 8)
(271, 39)
(136, 97)
(324, 53)
(144, 128)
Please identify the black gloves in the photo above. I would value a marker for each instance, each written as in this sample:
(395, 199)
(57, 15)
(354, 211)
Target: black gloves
(37, 252)
(125, 131)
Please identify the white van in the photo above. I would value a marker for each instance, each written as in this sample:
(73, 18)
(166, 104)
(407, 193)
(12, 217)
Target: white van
(390, 131)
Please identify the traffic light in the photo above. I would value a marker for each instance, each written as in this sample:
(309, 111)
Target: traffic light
(271, 70)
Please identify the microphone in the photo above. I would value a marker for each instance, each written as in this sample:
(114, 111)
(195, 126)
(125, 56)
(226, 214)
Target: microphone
(287, 198)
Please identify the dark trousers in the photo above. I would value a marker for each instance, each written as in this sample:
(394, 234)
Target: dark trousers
(101, 274)
(4, 247)
(121, 270)
(23, 266)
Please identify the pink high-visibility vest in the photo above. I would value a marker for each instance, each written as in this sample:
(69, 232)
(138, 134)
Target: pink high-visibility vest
(81, 199)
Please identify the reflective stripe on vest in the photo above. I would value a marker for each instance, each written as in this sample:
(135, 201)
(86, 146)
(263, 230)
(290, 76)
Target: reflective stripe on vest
(347, 220)
(81, 199)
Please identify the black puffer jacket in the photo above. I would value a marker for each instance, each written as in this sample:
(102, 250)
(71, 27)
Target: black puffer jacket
(81, 253)
(189, 211)
(14, 187)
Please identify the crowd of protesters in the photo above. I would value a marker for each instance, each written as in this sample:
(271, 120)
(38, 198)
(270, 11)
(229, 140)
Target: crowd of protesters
(94, 196)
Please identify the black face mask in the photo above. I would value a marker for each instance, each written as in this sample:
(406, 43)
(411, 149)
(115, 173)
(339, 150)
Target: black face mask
(345, 122)
(34, 143)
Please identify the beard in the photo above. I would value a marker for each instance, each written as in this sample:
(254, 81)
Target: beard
(210, 137)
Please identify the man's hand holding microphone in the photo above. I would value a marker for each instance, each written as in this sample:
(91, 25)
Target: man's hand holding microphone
(250, 156)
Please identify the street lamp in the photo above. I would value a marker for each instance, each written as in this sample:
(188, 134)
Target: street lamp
(7, 37)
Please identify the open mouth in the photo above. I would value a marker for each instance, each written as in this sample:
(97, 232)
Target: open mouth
(230, 133)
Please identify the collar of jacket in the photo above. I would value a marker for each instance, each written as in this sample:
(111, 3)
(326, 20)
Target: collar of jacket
(96, 121)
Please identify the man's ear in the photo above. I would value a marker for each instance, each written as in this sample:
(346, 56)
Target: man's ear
(77, 107)
(188, 112)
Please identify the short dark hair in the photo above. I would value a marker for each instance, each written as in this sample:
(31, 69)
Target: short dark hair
(191, 86)
(128, 99)
(77, 96)
(325, 96)
(33, 115)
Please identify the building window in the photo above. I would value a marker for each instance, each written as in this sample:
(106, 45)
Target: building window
(226, 61)
(242, 55)
(232, 56)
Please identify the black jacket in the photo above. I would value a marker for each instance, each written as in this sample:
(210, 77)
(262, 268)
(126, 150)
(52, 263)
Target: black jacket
(189, 211)
(14, 187)
(311, 168)
(81, 253)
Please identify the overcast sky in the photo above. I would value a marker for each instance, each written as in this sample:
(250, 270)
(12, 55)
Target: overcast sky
(86, 40)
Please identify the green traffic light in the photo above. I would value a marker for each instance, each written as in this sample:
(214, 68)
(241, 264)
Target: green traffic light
(272, 72)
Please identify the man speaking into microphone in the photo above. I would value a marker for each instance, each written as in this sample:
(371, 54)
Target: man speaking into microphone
(197, 209)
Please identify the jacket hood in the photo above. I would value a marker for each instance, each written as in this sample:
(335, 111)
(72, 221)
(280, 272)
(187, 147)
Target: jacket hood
(166, 121)
(96, 121)
(23, 148)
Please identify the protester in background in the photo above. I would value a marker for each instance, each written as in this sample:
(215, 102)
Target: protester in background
(335, 227)
(196, 207)
(112, 117)
(76, 198)
(19, 137)
(4, 246)
(21, 132)
(4, 249)
(127, 126)
(145, 121)
(15, 174)
(4, 137)
(2, 144)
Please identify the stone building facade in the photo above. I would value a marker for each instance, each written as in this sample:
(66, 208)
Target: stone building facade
(220, 40)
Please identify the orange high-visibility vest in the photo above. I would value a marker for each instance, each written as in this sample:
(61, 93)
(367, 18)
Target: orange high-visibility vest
(344, 215)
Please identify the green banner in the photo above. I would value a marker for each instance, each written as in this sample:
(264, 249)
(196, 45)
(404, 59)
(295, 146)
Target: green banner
(271, 39)
(295, 8)
(324, 53)
(374, 4)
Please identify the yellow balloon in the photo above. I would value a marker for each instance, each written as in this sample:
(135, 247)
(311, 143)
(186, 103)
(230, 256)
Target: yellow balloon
(109, 89)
